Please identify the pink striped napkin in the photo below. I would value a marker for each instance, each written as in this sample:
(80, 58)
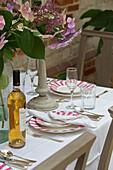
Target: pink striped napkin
(4, 166)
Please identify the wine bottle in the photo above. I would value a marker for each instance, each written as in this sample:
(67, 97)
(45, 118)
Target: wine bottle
(17, 113)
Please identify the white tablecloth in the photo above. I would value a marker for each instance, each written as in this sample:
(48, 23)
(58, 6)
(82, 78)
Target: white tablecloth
(40, 149)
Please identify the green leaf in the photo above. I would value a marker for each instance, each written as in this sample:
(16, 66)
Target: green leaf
(38, 3)
(12, 40)
(42, 29)
(90, 13)
(8, 16)
(36, 33)
(62, 76)
(8, 52)
(1, 64)
(109, 27)
(26, 41)
(4, 81)
(59, 35)
(31, 45)
(101, 20)
(38, 49)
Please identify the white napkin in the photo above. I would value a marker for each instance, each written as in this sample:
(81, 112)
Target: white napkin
(79, 120)
(46, 116)
(42, 115)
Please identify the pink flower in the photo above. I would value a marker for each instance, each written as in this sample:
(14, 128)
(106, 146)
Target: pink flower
(26, 12)
(2, 42)
(2, 22)
(71, 22)
(63, 18)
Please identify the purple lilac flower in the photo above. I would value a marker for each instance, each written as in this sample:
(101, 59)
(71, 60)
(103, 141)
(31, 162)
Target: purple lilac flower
(70, 31)
(71, 22)
(7, 3)
(10, 8)
(65, 42)
(48, 15)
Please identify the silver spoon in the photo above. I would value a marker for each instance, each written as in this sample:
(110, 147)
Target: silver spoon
(80, 110)
(8, 153)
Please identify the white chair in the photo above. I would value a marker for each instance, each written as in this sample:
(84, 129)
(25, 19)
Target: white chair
(104, 67)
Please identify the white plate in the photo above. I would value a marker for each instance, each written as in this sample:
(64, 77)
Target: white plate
(60, 88)
(66, 129)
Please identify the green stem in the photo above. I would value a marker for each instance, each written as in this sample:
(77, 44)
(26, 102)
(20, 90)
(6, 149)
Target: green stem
(3, 105)
(2, 123)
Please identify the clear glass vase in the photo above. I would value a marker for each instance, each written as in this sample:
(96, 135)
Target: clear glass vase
(5, 89)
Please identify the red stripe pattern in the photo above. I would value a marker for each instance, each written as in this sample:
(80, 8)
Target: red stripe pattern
(4, 166)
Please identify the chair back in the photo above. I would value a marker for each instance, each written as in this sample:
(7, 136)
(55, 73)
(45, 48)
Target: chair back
(111, 81)
(79, 148)
(104, 61)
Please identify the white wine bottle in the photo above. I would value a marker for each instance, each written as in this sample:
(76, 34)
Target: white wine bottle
(17, 114)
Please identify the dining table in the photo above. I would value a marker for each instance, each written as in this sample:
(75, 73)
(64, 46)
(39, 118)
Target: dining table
(40, 149)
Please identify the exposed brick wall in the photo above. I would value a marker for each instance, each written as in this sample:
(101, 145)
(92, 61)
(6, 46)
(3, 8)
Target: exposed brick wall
(58, 60)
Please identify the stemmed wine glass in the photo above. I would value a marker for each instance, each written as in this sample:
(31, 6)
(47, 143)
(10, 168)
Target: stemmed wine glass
(32, 72)
(71, 80)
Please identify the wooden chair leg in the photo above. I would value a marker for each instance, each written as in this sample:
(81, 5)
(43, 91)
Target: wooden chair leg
(107, 150)
(81, 55)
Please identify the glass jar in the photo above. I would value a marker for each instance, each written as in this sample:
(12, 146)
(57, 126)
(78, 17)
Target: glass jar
(5, 88)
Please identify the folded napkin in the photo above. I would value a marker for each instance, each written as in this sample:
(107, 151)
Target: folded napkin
(74, 120)
(53, 117)
(42, 115)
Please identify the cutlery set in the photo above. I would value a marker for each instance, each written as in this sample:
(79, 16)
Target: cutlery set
(21, 164)
(66, 100)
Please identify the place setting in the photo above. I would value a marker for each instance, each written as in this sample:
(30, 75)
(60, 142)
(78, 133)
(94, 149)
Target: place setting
(71, 117)
(51, 125)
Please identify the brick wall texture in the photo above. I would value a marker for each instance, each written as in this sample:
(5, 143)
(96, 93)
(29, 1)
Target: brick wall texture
(58, 60)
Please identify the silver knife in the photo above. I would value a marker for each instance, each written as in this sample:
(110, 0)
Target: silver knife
(16, 165)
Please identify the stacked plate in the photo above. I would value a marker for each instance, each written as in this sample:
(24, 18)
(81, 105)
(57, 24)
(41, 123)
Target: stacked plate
(54, 123)
(60, 88)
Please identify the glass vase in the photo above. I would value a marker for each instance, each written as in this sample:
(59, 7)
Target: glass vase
(5, 89)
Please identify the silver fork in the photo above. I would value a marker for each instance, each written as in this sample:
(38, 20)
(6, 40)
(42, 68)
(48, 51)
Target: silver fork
(106, 91)
(42, 136)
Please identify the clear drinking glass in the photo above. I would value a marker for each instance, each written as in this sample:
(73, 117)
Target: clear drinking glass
(88, 93)
(32, 72)
(71, 80)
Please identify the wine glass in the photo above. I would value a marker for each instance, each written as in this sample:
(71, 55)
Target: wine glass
(32, 72)
(71, 80)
